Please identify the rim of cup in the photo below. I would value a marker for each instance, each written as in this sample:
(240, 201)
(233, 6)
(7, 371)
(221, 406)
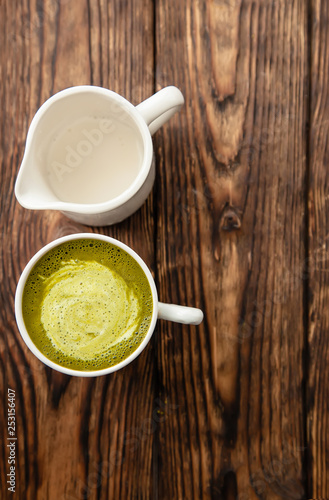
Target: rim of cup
(141, 128)
(21, 324)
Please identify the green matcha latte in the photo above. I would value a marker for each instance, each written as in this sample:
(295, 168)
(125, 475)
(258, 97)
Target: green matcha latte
(87, 304)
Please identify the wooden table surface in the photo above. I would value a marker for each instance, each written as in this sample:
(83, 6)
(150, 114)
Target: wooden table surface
(237, 224)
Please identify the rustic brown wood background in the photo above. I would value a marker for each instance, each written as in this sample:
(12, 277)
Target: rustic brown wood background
(237, 224)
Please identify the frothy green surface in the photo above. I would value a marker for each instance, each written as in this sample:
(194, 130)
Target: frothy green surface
(87, 308)
(87, 304)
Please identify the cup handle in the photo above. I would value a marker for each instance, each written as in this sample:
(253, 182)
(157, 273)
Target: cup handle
(160, 107)
(180, 314)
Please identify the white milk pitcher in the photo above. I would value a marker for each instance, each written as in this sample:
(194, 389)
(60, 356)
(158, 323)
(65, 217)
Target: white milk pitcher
(89, 153)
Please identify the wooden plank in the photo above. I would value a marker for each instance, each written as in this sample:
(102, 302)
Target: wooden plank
(231, 233)
(76, 438)
(318, 371)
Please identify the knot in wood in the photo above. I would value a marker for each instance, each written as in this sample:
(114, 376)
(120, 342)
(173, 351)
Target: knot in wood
(230, 220)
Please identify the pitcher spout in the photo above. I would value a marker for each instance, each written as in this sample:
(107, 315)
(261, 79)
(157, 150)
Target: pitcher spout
(32, 189)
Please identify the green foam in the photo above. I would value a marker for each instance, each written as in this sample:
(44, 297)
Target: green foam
(87, 305)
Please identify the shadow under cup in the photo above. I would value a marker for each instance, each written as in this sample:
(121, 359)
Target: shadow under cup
(86, 305)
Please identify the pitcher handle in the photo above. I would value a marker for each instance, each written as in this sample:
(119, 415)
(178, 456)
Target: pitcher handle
(160, 107)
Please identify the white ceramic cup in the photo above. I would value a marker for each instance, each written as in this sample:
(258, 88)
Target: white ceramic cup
(172, 312)
(89, 153)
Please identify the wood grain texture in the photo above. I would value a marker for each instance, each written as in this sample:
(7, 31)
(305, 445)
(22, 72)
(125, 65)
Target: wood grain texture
(318, 333)
(231, 202)
(76, 438)
(236, 409)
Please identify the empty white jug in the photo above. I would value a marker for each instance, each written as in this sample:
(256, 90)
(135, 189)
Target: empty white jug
(89, 153)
